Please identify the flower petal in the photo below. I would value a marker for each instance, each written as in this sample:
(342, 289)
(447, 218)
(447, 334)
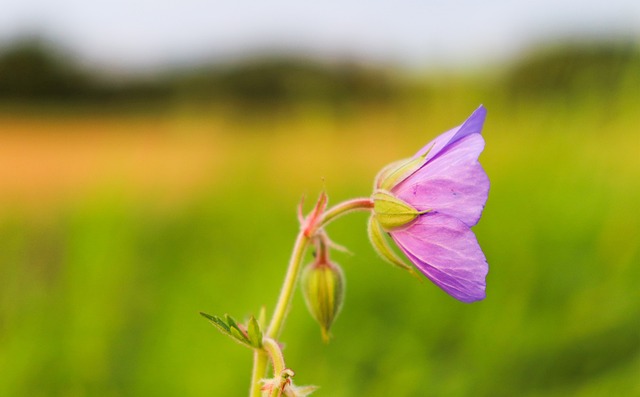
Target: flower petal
(473, 125)
(453, 183)
(446, 251)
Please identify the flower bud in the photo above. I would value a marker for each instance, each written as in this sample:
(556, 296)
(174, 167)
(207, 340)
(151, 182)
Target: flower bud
(323, 287)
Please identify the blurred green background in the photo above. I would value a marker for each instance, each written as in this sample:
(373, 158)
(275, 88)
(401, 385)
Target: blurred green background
(130, 204)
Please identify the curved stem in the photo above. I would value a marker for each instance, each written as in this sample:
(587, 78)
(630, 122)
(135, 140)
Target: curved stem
(359, 204)
(275, 353)
(299, 249)
(289, 285)
(286, 293)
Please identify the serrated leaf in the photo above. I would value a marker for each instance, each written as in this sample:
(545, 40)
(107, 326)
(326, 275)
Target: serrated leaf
(230, 320)
(240, 337)
(255, 333)
(217, 321)
(236, 331)
(229, 328)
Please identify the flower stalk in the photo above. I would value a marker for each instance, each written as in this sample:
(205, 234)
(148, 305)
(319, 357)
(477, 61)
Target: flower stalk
(299, 249)
(260, 361)
(286, 293)
(311, 225)
(359, 204)
(275, 353)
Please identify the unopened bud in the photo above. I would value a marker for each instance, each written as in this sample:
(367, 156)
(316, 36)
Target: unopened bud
(323, 287)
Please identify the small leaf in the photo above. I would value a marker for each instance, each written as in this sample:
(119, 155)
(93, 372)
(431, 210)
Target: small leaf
(229, 328)
(236, 331)
(255, 333)
(231, 321)
(215, 320)
(262, 317)
(240, 337)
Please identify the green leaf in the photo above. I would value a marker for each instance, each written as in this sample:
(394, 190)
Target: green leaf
(215, 320)
(236, 331)
(240, 337)
(255, 333)
(231, 321)
(262, 317)
(229, 328)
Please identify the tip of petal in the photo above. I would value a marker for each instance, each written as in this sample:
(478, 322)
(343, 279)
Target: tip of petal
(473, 298)
(472, 125)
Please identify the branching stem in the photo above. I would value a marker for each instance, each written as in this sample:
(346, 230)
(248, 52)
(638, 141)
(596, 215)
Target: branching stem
(290, 281)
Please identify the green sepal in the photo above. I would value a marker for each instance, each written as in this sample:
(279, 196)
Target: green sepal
(398, 171)
(391, 212)
(384, 174)
(381, 246)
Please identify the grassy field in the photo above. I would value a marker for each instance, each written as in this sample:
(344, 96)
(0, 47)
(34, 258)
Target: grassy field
(116, 230)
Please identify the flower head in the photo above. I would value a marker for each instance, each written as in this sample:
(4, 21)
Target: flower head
(428, 203)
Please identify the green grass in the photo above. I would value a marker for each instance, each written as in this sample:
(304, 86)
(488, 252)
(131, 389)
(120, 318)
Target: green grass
(101, 298)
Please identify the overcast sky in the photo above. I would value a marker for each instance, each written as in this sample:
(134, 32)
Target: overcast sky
(141, 33)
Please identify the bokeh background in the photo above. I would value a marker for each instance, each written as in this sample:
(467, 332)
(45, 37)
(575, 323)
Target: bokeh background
(152, 157)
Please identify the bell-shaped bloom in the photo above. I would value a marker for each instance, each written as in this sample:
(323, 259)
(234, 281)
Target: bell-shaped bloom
(428, 203)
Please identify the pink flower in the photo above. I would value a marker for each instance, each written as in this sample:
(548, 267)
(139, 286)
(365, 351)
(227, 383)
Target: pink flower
(428, 203)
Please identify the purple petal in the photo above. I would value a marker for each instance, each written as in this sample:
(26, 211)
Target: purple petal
(473, 125)
(447, 252)
(453, 183)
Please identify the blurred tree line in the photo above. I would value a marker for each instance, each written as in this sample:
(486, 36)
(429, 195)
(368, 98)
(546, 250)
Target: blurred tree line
(32, 71)
(568, 71)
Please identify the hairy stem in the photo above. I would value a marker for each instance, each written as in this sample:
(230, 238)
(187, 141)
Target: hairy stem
(359, 204)
(275, 353)
(289, 285)
(260, 360)
(286, 293)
